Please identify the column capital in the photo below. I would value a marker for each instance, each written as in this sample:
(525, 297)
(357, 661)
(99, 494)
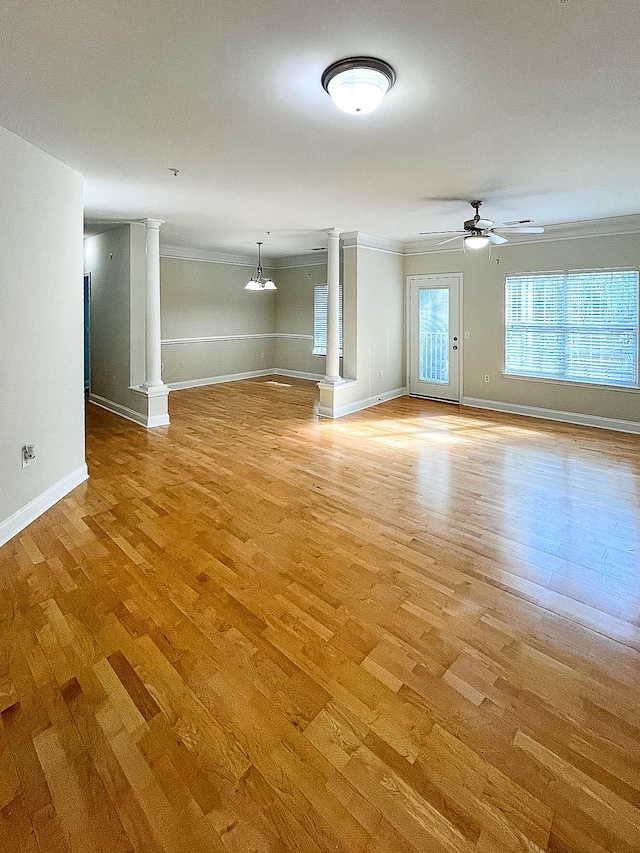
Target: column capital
(333, 232)
(153, 223)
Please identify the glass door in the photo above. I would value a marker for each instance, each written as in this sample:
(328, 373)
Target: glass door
(434, 337)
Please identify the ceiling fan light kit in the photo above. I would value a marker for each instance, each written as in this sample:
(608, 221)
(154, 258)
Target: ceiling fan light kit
(479, 233)
(476, 241)
(260, 282)
(357, 85)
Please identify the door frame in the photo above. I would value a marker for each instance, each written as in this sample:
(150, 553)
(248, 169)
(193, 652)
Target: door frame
(86, 295)
(432, 277)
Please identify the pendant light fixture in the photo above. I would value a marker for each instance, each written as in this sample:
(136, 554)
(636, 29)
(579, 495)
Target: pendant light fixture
(260, 282)
(357, 85)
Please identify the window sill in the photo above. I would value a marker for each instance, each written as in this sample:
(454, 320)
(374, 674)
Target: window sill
(571, 384)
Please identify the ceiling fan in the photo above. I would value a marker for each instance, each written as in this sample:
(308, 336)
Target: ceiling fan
(479, 232)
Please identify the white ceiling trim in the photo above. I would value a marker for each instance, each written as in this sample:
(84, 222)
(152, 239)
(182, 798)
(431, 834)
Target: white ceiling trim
(317, 259)
(609, 227)
(189, 254)
(350, 239)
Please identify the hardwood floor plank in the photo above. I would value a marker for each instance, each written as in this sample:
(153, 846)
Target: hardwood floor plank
(413, 629)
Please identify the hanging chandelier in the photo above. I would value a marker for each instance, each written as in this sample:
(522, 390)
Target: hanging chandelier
(260, 282)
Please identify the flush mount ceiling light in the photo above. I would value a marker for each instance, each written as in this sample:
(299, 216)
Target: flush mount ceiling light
(476, 241)
(260, 282)
(357, 85)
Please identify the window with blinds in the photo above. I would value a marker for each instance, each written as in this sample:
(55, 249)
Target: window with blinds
(578, 326)
(320, 296)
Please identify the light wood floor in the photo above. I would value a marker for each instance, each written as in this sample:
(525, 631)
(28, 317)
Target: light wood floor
(413, 629)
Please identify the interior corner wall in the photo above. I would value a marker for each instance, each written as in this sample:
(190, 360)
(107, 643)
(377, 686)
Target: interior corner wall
(211, 326)
(294, 319)
(483, 313)
(137, 302)
(109, 259)
(374, 320)
(41, 340)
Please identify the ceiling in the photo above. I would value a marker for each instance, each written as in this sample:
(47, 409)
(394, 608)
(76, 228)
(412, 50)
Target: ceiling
(531, 106)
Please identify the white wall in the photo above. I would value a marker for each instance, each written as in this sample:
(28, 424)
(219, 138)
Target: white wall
(41, 331)
(484, 283)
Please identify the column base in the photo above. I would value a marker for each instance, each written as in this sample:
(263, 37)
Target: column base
(333, 380)
(157, 403)
(153, 390)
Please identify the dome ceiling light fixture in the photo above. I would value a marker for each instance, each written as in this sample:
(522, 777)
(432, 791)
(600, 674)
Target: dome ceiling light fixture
(260, 282)
(358, 84)
(476, 241)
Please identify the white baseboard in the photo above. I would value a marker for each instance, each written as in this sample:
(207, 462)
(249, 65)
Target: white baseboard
(553, 415)
(147, 421)
(350, 408)
(298, 374)
(217, 380)
(157, 420)
(20, 519)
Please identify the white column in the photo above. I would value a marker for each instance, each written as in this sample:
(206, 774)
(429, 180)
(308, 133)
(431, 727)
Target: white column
(153, 332)
(332, 366)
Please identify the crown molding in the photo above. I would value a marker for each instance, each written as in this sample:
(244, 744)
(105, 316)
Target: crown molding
(351, 239)
(608, 227)
(189, 254)
(312, 259)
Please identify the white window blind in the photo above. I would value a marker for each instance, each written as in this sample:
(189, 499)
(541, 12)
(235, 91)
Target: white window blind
(580, 326)
(320, 297)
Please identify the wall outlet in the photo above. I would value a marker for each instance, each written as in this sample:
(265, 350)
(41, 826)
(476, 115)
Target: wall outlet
(28, 454)
(261, 355)
(382, 374)
(487, 378)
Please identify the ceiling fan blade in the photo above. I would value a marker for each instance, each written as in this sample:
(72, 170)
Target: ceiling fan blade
(517, 222)
(450, 239)
(422, 233)
(515, 229)
(496, 239)
(483, 224)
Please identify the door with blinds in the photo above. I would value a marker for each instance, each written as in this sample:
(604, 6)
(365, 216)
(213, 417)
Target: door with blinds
(434, 336)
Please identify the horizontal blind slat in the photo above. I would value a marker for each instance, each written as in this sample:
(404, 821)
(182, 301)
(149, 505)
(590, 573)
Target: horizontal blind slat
(578, 326)
(320, 308)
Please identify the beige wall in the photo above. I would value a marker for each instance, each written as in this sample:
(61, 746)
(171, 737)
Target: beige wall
(294, 318)
(483, 282)
(41, 340)
(202, 299)
(381, 321)
(115, 260)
